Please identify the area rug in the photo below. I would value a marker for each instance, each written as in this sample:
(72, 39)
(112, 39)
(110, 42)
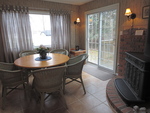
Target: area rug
(97, 72)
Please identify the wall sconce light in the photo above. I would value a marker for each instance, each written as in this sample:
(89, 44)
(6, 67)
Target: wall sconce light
(77, 21)
(129, 14)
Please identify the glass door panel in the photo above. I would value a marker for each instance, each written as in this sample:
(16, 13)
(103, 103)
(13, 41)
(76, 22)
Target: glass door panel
(107, 39)
(93, 37)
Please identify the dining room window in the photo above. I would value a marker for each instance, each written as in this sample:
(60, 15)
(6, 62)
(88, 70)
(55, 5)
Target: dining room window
(41, 29)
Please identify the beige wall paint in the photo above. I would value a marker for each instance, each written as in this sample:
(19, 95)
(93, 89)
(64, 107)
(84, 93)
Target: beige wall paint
(43, 5)
(135, 5)
(79, 11)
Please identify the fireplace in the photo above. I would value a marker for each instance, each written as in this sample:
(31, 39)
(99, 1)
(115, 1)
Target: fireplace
(135, 86)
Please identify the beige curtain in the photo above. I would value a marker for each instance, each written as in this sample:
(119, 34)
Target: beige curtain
(15, 31)
(60, 29)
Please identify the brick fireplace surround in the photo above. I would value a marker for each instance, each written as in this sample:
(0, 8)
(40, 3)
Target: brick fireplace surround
(129, 42)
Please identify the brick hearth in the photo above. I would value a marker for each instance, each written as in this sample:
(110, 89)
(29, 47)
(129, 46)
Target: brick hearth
(116, 102)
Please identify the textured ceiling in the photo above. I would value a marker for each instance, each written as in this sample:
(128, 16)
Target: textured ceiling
(73, 2)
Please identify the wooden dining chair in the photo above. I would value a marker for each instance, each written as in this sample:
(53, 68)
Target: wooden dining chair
(11, 78)
(74, 70)
(47, 81)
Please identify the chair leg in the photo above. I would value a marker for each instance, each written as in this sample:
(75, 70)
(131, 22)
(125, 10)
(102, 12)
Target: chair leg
(42, 101)
(64, 81)
(82, 85)
(33, 84)
(4, 97)
(63, 99)
(2, 91)
(27, 89)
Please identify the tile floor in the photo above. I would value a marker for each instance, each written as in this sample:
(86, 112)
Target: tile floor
(94, 101)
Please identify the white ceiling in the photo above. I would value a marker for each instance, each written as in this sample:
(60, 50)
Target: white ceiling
(73, 2)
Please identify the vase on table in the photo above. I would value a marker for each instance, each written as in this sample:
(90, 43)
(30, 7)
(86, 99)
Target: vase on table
(43, 55)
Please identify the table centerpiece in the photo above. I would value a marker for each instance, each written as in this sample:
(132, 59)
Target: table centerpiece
(42, 50)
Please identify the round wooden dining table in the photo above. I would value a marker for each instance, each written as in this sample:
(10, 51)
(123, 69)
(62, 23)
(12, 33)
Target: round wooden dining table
(31, 62)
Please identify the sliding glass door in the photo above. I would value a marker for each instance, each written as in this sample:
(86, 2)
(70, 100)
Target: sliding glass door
(101, 37)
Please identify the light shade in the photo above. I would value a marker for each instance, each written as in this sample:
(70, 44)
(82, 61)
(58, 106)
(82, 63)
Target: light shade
(78, 20)
(128, 12)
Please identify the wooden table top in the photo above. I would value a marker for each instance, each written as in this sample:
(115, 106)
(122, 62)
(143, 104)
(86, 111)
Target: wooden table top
(30, 62)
